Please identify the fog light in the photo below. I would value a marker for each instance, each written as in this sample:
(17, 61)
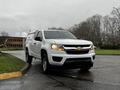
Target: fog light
(57, 59)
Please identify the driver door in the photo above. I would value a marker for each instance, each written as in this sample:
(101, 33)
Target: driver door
(38, 41)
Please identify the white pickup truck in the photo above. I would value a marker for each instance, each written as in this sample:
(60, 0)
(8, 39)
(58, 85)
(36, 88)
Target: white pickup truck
(58, 48)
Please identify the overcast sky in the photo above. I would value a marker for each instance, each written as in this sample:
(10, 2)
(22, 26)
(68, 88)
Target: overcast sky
(19, 15)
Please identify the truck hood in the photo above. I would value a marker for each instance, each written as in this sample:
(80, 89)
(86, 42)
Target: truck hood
(69, 41)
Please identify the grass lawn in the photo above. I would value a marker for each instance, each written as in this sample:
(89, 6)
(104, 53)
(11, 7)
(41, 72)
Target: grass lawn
(9, 63)
(107, 52)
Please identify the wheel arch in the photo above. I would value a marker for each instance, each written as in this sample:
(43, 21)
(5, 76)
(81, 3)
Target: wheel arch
(42, 52)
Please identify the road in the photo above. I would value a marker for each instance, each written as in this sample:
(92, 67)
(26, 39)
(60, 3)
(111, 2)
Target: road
(105, 75)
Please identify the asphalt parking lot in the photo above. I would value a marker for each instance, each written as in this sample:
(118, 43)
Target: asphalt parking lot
(105, 75)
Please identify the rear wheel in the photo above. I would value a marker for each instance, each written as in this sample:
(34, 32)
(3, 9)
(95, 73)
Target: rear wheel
(45, 63)
(28, 57)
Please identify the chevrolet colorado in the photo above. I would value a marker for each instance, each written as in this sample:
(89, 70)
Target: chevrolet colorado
(58, 48)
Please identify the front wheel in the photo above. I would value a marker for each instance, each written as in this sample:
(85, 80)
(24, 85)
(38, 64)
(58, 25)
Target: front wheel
(28, 57)
(45, 64)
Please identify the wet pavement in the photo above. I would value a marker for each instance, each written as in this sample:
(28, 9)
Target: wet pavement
(105, 75)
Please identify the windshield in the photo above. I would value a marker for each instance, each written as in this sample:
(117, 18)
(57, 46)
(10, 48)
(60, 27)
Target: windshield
(58, 35)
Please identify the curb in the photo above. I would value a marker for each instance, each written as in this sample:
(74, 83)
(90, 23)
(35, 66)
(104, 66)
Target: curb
(25, 69)
(10, 75)
(20, 73)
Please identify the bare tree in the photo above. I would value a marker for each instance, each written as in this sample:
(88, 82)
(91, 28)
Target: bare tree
(103, 31)
(89, 29)
(111, 29)
(4, 34)
(116, 15)
(95, 29)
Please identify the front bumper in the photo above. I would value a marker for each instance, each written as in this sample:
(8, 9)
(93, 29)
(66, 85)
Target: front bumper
(71, 60)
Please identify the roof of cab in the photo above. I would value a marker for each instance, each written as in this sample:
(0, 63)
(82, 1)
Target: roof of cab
(52, 30)
(32, 32)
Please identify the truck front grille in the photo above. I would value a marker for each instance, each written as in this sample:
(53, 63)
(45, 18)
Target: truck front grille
(70, 51)
(77, 45)
(77, 49)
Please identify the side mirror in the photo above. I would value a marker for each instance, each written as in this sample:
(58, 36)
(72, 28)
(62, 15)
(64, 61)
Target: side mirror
(38, 39)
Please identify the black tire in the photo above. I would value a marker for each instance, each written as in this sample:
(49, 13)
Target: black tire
(45, 63)
(28, 57)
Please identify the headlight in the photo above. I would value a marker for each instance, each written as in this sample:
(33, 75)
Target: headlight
(92, 47)
(57, 47)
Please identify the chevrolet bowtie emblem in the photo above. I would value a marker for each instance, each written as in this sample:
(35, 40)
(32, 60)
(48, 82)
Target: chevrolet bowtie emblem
(79, 48)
